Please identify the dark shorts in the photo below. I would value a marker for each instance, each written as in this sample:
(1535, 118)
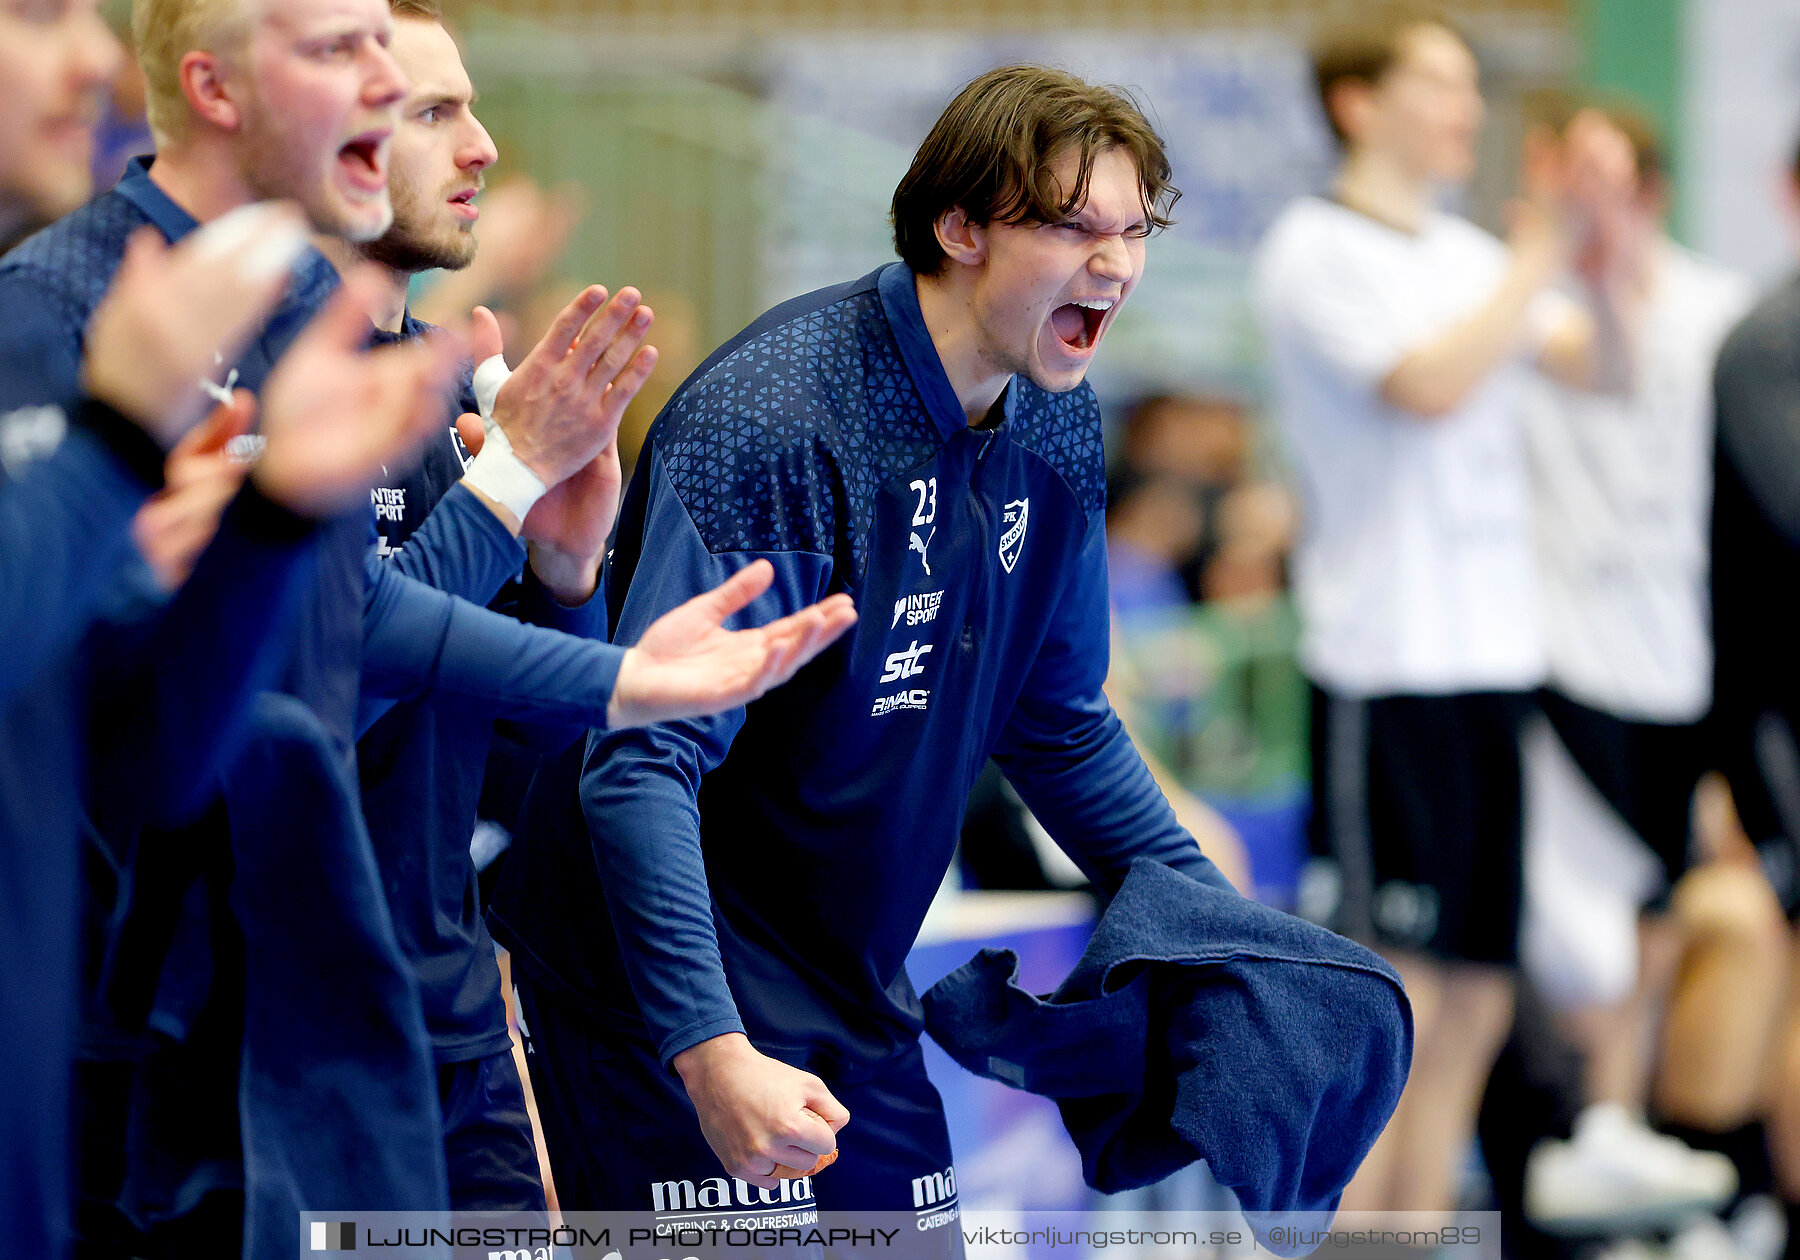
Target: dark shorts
(1758, 748)
(1417, 822)
(489, 1149)
(623, 1136)
(1646, 771)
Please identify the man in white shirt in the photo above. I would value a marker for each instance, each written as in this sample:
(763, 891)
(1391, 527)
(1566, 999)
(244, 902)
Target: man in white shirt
(1398, 337)
(1622, 490)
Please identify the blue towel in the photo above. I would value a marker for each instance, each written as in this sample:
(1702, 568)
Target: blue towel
(1197, 1025)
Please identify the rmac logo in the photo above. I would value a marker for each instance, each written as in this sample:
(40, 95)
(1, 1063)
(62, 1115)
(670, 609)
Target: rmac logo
(717, 1192)
(917, 698)
(917, 609)
(934, 1188)
(906, 664)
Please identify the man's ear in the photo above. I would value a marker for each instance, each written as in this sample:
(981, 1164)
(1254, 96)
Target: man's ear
(1349, 102)
(202, 76)
(962, 240)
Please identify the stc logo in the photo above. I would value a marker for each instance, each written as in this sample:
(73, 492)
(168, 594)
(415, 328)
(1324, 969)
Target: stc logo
(906, 664)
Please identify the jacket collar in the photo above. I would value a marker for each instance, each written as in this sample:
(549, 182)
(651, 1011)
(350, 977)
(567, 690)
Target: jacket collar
(900, 303)
(140, 190)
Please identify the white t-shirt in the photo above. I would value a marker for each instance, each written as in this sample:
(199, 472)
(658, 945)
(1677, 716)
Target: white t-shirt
(1414, 570)
(1623, 490)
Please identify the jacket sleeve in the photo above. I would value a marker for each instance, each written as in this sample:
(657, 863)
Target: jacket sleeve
(420, 641)
(535, 606)
(65, 529)
(1067, 753)
(172, 679)
(173, 693)
(639, 788)
(72, 474)
(461, 548)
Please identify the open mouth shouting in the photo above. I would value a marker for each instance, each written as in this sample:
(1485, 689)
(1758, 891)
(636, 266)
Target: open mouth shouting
(1078, 325)
(363, 161)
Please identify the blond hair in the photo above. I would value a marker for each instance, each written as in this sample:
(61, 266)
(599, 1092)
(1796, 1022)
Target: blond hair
(164, 32)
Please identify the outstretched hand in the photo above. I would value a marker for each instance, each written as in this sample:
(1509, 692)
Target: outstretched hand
(562, 405)
(688, 665)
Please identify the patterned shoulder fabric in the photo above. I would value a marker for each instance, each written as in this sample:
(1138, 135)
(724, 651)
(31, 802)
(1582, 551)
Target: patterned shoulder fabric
(783, 444)
(1065, 430)
(73, 259)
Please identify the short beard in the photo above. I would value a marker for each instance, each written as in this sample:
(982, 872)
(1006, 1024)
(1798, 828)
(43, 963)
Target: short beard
(405, 247)
(400, 250)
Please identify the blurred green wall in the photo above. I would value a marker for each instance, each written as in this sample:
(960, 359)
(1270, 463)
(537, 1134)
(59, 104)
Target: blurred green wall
(1634, 47)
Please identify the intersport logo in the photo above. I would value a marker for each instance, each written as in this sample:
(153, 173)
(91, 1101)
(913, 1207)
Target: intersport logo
(919, 610)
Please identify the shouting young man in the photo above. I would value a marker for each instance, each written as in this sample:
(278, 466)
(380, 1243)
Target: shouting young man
(922, 436)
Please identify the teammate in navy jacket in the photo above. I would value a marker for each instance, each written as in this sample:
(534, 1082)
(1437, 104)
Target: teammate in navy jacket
(72, 477)
(923, 438)
(301, 100)
(421, 764)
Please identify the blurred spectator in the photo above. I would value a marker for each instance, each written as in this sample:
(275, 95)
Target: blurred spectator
(1230, 538)
(1201, 443)
(1756, 676)
(1153, 525)
(1398, 336)
(1621, 484)
(1256, 524)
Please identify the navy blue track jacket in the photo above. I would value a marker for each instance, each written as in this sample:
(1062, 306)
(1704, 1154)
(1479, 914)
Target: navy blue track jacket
(827, 439)
(421, 764)
(71, 479)
(365, 628)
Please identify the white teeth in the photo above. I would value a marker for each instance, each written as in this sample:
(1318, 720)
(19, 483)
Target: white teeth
(1097, 304)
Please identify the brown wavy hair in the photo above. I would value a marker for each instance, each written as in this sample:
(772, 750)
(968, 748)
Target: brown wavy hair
(991, 153)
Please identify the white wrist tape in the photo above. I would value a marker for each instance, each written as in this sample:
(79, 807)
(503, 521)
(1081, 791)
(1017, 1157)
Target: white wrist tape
(490, 375)
(497, 472)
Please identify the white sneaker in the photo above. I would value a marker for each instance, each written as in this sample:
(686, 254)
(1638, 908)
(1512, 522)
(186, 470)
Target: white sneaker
(1759, 1228)
(1705, 1239)
(1627, 1249)
(1616, 1173)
